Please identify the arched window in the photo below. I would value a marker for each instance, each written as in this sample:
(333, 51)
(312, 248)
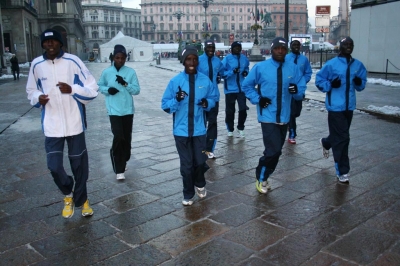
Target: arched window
(214, 23)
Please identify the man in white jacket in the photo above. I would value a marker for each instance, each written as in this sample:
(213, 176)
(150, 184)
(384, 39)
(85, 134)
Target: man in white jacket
(60, 84)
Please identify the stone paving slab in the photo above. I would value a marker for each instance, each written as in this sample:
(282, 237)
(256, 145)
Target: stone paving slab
(306, 219)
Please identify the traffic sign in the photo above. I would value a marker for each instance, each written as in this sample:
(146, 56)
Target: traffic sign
(323, 21)
(322, 10)
(322, 30)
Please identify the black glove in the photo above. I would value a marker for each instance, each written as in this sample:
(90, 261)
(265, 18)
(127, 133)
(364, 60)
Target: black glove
(336, 83)
(203, 102)
(244, 73)
(180, 95)
(121, 80)
(264, 102)
(292, 88)
(112, 91)
(357, 81)
(218, 79)
(236, 70)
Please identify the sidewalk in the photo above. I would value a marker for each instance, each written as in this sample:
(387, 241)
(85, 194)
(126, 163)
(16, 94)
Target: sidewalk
(306, 219)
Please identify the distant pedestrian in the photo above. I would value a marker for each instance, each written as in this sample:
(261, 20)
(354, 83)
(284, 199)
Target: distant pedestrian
(187, 96)
(211, 66)
(340, 78)
(111, 57)
(236, 67)
(60, 84)
(270, 85)
(14, 66)
(305, 68)
(118, 83)
(129, 56)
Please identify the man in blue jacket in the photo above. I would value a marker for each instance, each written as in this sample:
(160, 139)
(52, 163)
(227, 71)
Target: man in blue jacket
(271, 85)
(340, 78)
(211, 66)
(305, 68)
(236, 68)
(187, 96)
(118, 83)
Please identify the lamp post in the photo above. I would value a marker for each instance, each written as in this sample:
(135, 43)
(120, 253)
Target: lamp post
(153, 27)
(179, 14)
(206, 4)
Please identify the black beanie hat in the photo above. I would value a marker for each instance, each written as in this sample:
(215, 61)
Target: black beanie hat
(236, 44)
(50, 34)
(347, 39)
(187, 51)
(119, 49)
(209, 43)
(278, 42)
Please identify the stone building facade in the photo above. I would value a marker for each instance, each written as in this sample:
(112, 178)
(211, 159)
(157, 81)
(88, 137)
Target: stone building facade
(103, 20)
(220, 21)
(23, 21)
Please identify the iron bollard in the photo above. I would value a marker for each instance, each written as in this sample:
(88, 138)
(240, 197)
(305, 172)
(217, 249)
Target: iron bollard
(158, 60)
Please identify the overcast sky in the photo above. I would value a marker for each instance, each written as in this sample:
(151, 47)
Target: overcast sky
(310, 3)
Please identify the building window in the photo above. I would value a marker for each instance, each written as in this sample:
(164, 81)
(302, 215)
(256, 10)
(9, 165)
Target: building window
(233, 27)
(225, 26)
(161, 18)
(188, 36)
(225, 18)
(196, 26)
(151, 10)
(233, 18)
(248, 17)
(233, 9)
(196, 18)
(161, 9)
(240, 18)
(240, 10)
(171, 26)
(58, 6)
(187, 18)
(170, 18)
(170, 9)
(196, 36)
(240, 26)
(171, 36)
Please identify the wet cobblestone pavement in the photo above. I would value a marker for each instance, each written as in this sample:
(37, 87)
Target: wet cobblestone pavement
(308, 218)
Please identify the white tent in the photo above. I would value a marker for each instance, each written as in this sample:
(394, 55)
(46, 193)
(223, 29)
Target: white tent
(165, 47)
(140, 51)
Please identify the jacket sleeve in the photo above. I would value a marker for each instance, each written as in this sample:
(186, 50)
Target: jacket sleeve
(103, 83)
(301, 85)
(362, 74)
(133, 84)
(168, 102)
(212, 96)
(322, 79)
(33, 90)
(249, 86)
(228, 71)
(87, 89)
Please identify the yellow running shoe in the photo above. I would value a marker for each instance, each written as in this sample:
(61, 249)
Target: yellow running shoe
(86, 209)
(68, 210)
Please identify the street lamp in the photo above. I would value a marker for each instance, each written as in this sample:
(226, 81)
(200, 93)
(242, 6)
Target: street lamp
(179, 14)
(153, 27)
(206, 3)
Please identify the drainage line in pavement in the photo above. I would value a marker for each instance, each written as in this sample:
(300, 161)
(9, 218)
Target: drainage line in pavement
(1, 132)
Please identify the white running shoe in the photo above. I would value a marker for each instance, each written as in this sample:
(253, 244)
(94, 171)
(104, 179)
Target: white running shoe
(230, 134)
(343, 178)
(240, 133)
(187, 202)
(201, 192)
(121, 176)
(210, 155)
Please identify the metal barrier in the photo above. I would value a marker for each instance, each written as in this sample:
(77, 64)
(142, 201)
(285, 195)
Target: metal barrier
(387, 63)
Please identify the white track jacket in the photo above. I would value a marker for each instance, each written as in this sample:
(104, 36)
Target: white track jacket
(63, 115)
